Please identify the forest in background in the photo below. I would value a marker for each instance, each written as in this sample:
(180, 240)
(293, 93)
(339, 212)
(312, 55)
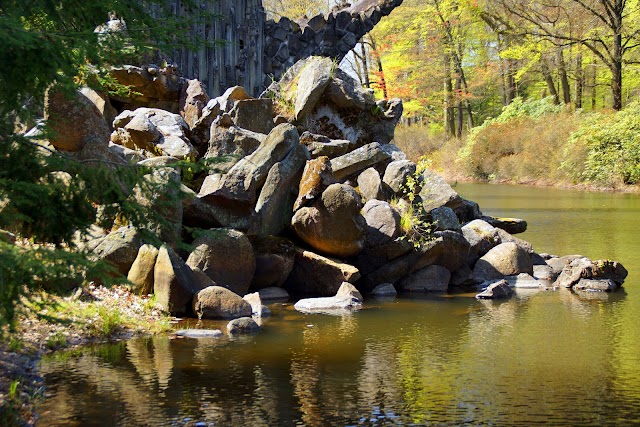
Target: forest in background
(508, 90)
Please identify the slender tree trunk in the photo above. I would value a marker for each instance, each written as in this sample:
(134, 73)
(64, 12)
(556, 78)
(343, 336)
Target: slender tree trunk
(564, 80)
(365, 66)
(449, 119)
(376, 55)
(616, 72)
(544, 68)
(594, 88)
(460, 111)
(579, 80)
(511, 81)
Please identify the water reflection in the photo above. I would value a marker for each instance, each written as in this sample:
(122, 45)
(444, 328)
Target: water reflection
(557, 358)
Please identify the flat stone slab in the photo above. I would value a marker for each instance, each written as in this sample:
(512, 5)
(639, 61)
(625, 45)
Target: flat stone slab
(199, 333)
(330, 304)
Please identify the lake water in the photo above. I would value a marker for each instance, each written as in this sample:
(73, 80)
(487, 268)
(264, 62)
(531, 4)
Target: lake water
(552, 358)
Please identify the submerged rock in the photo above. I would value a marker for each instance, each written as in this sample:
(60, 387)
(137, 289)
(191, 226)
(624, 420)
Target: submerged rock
(199, 333)
(496, 290)
(310, 305)
(243, 325)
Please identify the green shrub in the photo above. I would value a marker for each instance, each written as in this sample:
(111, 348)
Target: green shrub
(613, 144)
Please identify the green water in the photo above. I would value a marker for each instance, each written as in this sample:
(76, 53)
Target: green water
(550, 358)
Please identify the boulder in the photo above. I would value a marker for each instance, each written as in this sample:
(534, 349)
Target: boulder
(584, 268)
(174, 283)
(332, 305)
(510, 225)
(345, 92)
(242, 183)
(320, 145)
(314, 77)
(232, 95)
(153, 86)
(396, 175)
(229, 144)
(559, 263)
(496, 290)
(243, 325)
(506, 259)
(383, 223)
(348, 290)
(255, 115)
(193, 100)
(314, 274)
(444, 218)
(371, 186)
(120, 248)
(332, 224)
(274, 207)
(257, 308)
(102, 103)
(462, 277)
(482, 237)
(467, 211)
(544, 272)
(141, 272)
(316, 177)
(73, 120)
(374, 257)
(384, 290)
(436, 192)
(274, 261)
(524, 281)
(595, 285)
(226, 256)
(432, 278)
(154, 130)
(273, 294)
(216, 302)
(357, 160)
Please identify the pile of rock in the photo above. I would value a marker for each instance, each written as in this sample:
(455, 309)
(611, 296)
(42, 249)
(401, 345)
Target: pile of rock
(306, 195)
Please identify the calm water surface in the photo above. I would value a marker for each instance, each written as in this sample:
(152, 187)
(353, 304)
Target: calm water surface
(551, 358)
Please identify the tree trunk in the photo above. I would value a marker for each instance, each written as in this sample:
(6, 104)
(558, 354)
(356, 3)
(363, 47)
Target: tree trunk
(376, 54)
(460, 111)
(449, 119)
(594, 88)
(544, 68)
(365, 66)
(564, 80)
(511, 81)
(579, 80)
(616, 72)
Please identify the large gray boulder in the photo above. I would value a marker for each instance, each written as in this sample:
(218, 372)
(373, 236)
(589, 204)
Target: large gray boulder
(175, 283)
(397, 173)
(120, 248)
(274, 207)
(228, 144)
(314, 77)
(506, 259)
(584, 268)
(241, 185)
(73, 120)
(383, 223)
(444, 218)
(358, 160)
(332, 224)
(432, 278)
(320, 145)
(436, 192)
(216, 302)
(371, 186)
(274, 261)
(154, 130)
(317, 275)
(482, 237)
(273, 294)
(255, 115)
(226, 256)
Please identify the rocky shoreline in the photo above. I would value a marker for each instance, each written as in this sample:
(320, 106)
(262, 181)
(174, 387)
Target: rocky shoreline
(304, 195)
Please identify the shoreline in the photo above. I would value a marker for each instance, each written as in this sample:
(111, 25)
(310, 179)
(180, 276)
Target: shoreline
(93, 315)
